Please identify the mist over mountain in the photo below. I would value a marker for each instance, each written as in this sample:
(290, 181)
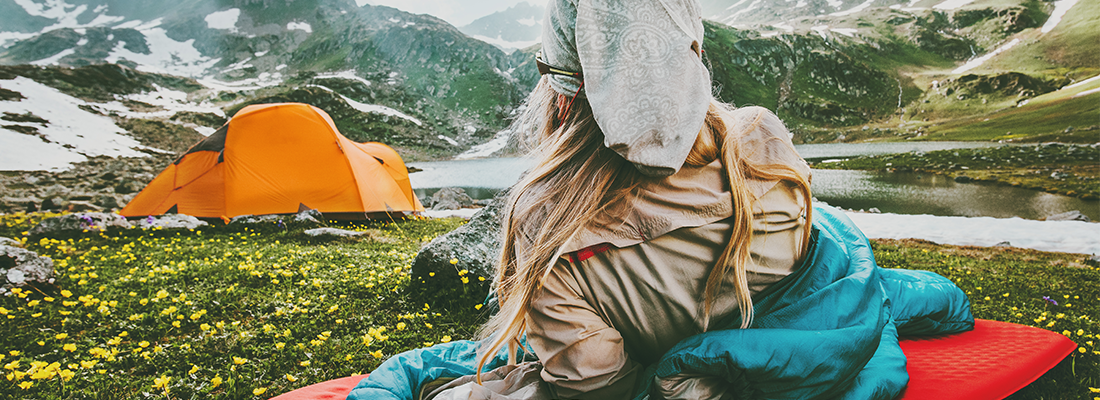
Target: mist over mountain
(517, 27)
(144, 74)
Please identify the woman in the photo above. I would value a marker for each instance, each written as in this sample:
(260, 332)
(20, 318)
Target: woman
(674, 190)
(656, 224)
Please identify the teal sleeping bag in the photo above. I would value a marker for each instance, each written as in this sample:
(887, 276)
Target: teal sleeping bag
(830, 330)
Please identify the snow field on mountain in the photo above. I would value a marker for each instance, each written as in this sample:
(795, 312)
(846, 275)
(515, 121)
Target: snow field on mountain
(373, 108)
(72, 132)
(70, 135)
(1060, 236)
(225, 20)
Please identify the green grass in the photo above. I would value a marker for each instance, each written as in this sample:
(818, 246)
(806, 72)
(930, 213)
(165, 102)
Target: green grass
(258, 312)
(262, 311)
(1008, 284)
(1025, 166)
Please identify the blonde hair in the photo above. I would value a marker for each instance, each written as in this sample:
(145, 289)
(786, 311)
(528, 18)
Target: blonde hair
(575, 178)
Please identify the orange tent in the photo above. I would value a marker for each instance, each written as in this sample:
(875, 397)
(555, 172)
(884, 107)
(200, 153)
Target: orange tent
(279, 159)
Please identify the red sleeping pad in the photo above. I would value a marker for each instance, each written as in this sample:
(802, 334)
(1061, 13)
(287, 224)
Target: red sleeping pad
(990, 362)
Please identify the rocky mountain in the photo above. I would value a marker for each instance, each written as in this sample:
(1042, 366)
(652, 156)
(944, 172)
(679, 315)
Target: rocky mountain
(354, 60)
(518, 27)
(126, 78)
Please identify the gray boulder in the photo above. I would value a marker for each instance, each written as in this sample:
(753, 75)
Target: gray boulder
(10, 242)
(79, 222)
(451, 198)
(475, 245)
(21, 266)
(1074, 215)
(170, 221)
(306, 219)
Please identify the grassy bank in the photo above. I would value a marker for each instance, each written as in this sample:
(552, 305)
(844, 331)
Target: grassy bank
(250, 313)
(1064, 169)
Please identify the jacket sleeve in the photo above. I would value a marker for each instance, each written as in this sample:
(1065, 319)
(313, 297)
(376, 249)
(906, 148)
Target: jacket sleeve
(583, 357)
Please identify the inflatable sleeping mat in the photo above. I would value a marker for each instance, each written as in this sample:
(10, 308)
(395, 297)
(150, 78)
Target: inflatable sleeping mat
(990, 362)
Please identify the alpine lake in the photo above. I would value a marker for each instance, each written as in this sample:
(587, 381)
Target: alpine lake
(888, 192)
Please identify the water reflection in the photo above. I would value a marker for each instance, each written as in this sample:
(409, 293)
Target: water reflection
(817, 152)
(914, 193)
(901, 193)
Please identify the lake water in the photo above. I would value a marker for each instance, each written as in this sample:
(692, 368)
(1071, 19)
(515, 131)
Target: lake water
(895, 192)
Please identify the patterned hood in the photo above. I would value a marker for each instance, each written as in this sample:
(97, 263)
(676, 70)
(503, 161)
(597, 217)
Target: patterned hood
(643, 74)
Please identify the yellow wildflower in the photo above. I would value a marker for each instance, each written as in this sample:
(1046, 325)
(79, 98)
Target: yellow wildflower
(239, 360)
(304, 363)
(194, 369)
(25, 385)
(61, 336)
(376, 353)
(291, 378)
(259, 391)
(217, 381)
(69, 347)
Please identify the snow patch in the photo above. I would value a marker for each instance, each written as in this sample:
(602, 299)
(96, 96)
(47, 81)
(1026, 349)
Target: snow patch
(462, 212)
(977, 62)
(853, 10)
(224, 20)
(1088, 92)
(506, 45)
(499, 141)
(349, 74)
(260, 53)
(530, 21)
(166, 56)
(264, 80)
(1060, 236)
(82, 41)
(949, 4)
(301, 26)
(849, 32)
(731, 17)
(449, 140)
(820, 30)
(1061, 7)
(835, 3)
(373, 108)
(55, 58)
(6, 37)
(1084, 82)
(70, 135)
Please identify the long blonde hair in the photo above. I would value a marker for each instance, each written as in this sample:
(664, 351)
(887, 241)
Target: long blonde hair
(575, 178)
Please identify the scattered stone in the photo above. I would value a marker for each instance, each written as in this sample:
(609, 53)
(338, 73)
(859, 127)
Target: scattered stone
(476, 247)
(963, 179)
(306, 219)
(170, 221)
(874, 210)
(1003, 244)
(333, 232)
(309, 218)
(451, 198)
(1074, 215)
(79, 222)
(21, 266)
(106, 201)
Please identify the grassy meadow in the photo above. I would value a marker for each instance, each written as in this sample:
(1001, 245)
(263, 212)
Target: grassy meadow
(216, 312)
(236, 313)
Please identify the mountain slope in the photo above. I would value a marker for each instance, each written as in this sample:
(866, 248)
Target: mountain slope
(517, 27)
